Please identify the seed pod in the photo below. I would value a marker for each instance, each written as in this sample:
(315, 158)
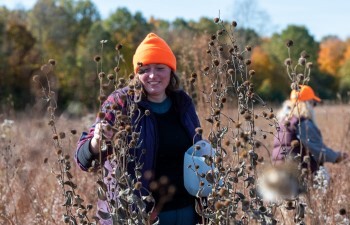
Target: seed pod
(97, 58)
(289, 43)
(118, 47)
(52, 62)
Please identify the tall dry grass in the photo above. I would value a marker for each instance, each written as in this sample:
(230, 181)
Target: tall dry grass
(30, 193)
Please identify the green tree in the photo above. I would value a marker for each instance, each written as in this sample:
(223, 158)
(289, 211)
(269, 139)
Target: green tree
(278, 52)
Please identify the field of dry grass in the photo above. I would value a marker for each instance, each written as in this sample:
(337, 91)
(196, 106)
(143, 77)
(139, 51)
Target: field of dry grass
(30, 193)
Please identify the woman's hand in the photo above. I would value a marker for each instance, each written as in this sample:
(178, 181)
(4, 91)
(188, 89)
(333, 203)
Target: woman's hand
(102, 131)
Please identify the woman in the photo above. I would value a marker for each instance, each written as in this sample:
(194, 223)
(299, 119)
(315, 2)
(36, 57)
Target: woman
(298, 134)
(166, 133)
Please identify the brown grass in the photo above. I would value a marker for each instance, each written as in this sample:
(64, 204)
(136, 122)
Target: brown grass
(30, 193)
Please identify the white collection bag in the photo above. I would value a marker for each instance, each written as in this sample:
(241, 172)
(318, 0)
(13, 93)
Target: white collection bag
(192, 176)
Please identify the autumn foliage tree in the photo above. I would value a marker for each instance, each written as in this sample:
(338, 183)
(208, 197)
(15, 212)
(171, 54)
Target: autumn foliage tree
(331, 55)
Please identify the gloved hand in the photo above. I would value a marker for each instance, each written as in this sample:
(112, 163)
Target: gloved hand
(102, 131)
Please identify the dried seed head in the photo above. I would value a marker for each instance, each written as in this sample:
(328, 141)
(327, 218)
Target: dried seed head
(216, 62)
(194, 75)
(211, 43)
(208, 51)
(223, 100)
(257, 144)
(216, 20)
(222, 192)
(220, 48)
(116, 69)
(247, 116)
(294, 144)
(218, 205)
(213, 37)
(309, 65)
(218, 159)
(251, 72)
(234, 23)
(206, 68)
(101, 75)
(147, 112)
(271, 116)
(304, 54)
(294, 86)
(302, 61)
(248, 48)
(238, 144)
(51, 122)
(227, 202)
(62, 135)
(220, 32)
(73, 131)
(230, 71)
(110, 76)
(199, 130)
(287, 62)
(97, 58)
(300, 77)
(52, 62)
(289, 43)
(118, 47)
(131, 76)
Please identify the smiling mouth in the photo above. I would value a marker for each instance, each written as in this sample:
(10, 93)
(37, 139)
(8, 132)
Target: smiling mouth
(153, 82)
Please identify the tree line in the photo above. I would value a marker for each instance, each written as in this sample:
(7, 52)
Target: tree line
(70, 32)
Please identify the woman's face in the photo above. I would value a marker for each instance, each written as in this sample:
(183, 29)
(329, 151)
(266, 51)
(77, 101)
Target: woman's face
(155, 78)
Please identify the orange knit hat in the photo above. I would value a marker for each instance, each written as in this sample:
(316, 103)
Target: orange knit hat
(305, 94)
(154, 49)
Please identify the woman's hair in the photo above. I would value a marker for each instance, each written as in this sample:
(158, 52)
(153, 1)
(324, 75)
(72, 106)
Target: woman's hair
(285, 110)
(303, 109)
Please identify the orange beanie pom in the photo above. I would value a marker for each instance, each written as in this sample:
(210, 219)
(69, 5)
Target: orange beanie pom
(154, 49)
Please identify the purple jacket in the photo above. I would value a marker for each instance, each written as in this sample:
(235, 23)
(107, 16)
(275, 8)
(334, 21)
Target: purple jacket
(310, 137)
(148, 136)
(286, 143)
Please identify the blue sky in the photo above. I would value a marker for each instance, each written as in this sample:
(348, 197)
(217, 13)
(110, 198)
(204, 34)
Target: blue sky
(320, 17)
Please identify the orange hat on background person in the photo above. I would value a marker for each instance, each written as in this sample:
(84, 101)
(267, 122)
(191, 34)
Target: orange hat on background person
(154, 49)
(304, 94)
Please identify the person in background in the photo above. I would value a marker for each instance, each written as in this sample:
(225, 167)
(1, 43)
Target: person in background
(165, 134)
(298, 133)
